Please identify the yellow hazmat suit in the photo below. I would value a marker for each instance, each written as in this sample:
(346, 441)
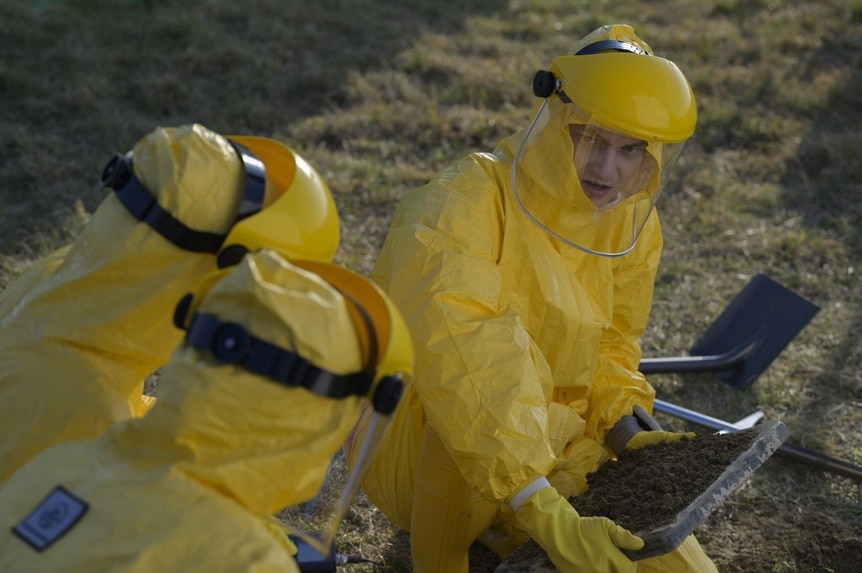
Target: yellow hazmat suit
(526, 347)
(83, 328)
(188, 487)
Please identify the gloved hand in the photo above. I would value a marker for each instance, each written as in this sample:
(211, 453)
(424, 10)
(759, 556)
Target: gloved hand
(645, 438)
(575, 543)
(638, 430)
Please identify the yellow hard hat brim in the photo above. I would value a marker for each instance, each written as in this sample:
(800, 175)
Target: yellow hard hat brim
(300, 219)
(642, 96)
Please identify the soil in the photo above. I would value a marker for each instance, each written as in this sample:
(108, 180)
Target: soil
(646, 489)
(769, 536)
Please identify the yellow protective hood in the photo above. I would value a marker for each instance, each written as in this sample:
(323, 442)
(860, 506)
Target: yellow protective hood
(606, 96)
(183, 167)
(505, 322)
(85, 325)
(262, 443)
(547, 167)
(547, 185)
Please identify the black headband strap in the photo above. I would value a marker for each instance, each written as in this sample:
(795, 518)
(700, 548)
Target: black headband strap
(119, 175)
(231, 343)
(603, 45)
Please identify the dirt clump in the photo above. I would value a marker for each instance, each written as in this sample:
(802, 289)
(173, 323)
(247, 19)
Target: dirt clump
(647, 488)
(742, 535)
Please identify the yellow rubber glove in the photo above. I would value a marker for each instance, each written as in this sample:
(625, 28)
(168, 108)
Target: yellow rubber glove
(575, 543)
(646, 438)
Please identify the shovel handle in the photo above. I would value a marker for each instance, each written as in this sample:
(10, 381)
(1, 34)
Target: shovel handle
(711, 363)
(831, 464)
(792, 451)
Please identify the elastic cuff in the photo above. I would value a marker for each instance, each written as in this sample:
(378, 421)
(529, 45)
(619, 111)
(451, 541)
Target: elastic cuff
(526, 492)
(623, 431)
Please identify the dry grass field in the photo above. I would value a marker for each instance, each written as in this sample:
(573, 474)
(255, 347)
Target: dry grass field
(381, 94)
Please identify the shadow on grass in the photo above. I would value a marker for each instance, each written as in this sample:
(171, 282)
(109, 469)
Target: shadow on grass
(824, 185)
(81, 79)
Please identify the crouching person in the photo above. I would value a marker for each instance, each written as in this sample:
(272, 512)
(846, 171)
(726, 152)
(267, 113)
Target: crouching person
(276, 362)
(82, 329)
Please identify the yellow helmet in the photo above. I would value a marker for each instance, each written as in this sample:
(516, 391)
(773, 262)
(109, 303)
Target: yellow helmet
(387, 348)
(645, 97)
(606, 134)
(179, 181)
(384, 336)
(648, 98)
(298, 219)
(367, 323)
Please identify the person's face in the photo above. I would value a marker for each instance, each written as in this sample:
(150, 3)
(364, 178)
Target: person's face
(606, 162)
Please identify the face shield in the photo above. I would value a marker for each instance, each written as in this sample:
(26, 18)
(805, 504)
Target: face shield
(600, 146)
(387, 345)
(298, 219)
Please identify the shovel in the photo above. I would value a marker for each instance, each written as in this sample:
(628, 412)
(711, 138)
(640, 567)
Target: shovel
(748, 335)
(792, 451)
(742, 342)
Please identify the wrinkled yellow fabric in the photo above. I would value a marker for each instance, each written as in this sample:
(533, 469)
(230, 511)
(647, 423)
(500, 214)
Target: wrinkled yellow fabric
(507, 321)
(283, 536)
(526, 349)
(524, 357)
(189, 486)
(183, 528)
(82, 328)
(575, 543)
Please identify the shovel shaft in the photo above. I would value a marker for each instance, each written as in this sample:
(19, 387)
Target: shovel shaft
(692, 416)
(817, 459)
(788, 450)
(732, 358)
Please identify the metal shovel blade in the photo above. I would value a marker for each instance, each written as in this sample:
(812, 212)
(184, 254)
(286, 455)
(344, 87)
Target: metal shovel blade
(748, 335)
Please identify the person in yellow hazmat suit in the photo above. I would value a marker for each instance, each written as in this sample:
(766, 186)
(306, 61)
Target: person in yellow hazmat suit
(84, 326)
(266, 385)
(526, 277)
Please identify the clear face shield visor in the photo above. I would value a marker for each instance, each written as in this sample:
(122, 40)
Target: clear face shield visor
(590, 186)
(384, 338)
(318, 521)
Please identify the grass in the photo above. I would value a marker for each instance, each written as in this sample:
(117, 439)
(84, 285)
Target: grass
(380, 95)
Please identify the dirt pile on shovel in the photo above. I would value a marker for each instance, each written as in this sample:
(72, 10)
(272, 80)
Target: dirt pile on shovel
(662, 492)
(647, 488)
